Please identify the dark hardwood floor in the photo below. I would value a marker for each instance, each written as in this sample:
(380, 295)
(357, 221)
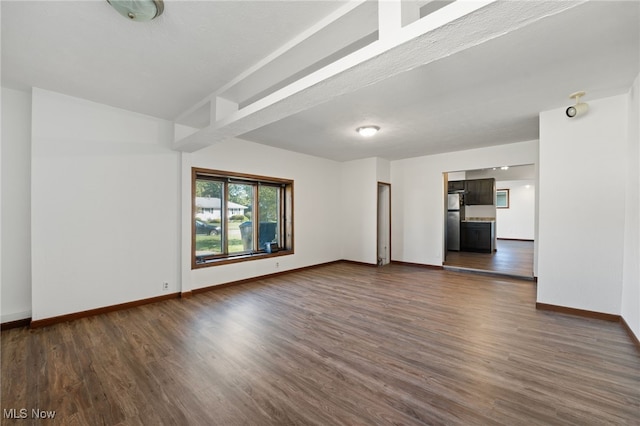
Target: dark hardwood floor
(512, 258)
(341, 344)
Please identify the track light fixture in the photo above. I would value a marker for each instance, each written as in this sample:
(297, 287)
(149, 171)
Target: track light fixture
(580, 108)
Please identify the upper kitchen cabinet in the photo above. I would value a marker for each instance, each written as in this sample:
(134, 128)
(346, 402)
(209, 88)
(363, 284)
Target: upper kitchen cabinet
(480, 192)
(455, 186)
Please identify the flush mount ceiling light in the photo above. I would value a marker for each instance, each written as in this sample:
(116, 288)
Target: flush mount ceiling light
(368, 131)
(138, 10)
(580, 108)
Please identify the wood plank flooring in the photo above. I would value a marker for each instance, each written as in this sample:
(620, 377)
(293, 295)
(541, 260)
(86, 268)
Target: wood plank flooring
(341, 344)
(511, 258)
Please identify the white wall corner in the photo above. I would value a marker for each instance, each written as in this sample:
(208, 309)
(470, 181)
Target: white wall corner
(383, 170)
(185, 222)
(15, 183)
(112, 235)
(631, 267)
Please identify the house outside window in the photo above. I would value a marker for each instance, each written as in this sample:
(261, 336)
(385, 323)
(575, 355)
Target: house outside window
(208, 208)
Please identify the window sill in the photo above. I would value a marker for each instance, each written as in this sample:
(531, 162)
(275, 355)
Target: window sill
(237, 259)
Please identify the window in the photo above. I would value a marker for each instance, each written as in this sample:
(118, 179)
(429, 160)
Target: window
(502, 198)
(225, 206)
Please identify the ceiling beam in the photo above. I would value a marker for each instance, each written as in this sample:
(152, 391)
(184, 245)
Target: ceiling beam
(255, 70)
(451, 29)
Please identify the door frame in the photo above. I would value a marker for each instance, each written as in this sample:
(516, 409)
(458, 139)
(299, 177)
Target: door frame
(378, 230)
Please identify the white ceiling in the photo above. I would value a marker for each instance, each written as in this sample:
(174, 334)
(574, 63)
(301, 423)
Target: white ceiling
(486, 95)
(160, 68)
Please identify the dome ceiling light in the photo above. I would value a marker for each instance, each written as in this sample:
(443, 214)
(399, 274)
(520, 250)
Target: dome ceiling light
(368, 131)
(138, 10)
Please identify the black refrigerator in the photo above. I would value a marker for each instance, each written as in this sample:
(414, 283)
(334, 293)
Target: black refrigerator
(455, 213)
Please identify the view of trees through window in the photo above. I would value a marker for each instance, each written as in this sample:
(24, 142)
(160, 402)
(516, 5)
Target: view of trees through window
(239, 227)
(224, 212)
(269, 208)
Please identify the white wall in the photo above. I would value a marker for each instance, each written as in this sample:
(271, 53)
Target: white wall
(518, 221)
(451, 176)
(359, 207)
(105, 206)
(358, 212)
(317, 222)
(581, 206)
(418, 196)
(383, 170)
(631, 265)
(16, 205)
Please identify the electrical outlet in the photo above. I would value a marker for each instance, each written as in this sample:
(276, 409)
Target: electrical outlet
(277, 265)
(165, 286)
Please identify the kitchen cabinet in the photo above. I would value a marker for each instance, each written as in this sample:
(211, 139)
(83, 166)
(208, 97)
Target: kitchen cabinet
(480, 192)
(477, 236)
(455, 186)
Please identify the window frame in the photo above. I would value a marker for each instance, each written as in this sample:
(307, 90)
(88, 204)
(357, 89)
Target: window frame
(285, 217)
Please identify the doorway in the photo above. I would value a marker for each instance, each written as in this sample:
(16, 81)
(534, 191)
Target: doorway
(511, 219)
(384, 224)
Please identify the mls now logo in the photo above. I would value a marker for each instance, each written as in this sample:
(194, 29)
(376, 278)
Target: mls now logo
(23, 413)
